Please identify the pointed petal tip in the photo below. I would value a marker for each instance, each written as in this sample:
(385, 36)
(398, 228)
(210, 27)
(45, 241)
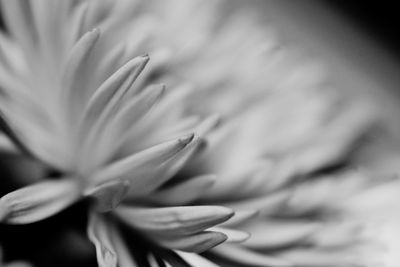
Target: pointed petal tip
(221, 212)
(92, 36)
(218, 238)
(145, 58)
(241, 216)
(134, 62)
(185, 140)
(214, 239)
(233, 236)
(139, 62)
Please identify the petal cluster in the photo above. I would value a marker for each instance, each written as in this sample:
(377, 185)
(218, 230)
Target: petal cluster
(246, 157)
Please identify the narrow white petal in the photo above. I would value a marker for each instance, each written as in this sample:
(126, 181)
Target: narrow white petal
(182, 193)
(195, 259)
(109, 195)
(105, 102)
(151, 158)
(145, 179)
(241, 216)
(277, 234)
(174, 221)
(234, 236)
(109, 94)
(265, 205)
(110, 62)
(176, 163)
(100, 233)
(38, 201)
(196, 243)
(76, 23)
(127, 116)
(74, 80)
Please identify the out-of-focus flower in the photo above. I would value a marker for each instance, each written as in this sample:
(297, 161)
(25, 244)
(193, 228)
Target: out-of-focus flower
(167, 176)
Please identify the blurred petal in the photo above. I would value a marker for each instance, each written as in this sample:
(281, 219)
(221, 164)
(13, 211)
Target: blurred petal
(72, 81)
(150, 158)
(100, 233)
(174, 221)
(195, 260)
(196, 243)
(184, 192)
(109, 194)
(38, 201)
(249, 258)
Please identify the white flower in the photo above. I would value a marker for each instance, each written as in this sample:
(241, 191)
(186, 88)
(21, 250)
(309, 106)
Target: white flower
(165, 174)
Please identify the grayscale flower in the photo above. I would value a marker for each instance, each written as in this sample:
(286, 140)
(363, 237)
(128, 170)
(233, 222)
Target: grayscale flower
(244, 160)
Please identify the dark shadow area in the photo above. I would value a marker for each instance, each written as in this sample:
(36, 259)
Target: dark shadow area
(380, 20)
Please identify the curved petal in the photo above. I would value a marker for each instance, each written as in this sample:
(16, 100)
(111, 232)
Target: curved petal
(111, 249)
(109, 195)
(196, 243)
(38, 201)
(174, 221)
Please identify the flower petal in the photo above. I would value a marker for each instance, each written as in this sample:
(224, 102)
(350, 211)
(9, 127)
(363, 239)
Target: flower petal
(174, 221)
(195, 260)
(99, 232)
(18, 18)
(184, 192)
(196, 243)
(240, 216)
(109, 195)
(146, 179)
(247, 257)
(38, 201)
(234, 236)
(268, 234)
(151, 158)
(125, 118)
(111, 249)
(113, 89)
(265, 204)
(74, 77)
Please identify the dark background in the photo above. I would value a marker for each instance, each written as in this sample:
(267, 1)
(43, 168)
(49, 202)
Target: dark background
(378, 19)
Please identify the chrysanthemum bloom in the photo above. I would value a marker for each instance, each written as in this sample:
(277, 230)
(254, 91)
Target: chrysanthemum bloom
(164, 174)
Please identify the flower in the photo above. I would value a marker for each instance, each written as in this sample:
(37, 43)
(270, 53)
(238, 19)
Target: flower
(167, 178)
